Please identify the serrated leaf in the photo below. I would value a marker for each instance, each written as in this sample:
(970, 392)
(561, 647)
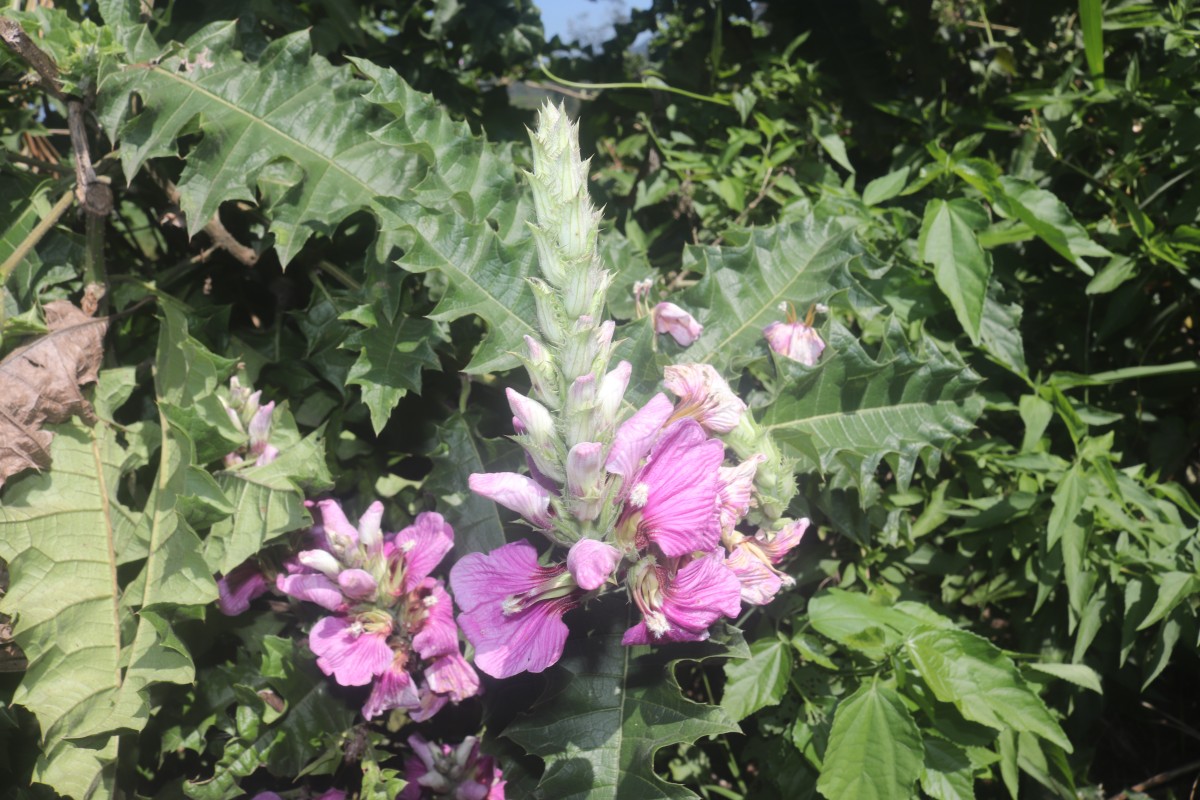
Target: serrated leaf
(290, 104)
(1077, 674)
(982, 682)
(606, 711)
(875, 749)
(853, 411)
(745, 283)
(391, 354)
(759, 681)
(960, 267)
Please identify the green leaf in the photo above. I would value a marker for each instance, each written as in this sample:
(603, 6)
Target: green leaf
(606, 711)
(960, 266)
(981, 681)
(1173, 589)
(476, 520)
(1000, 332)
(829, 139)
(1091, 21)
(1077, 674)
(759, 681)
(1049, 218)
(853, 411)
(745, 282)
(875, 749)
(948, 773)
(391, 352)
(885, 187)
(860, 622)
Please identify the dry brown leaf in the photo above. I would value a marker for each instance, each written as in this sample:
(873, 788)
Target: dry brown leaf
(39, 384)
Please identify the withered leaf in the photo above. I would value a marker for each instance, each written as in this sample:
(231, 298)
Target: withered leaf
(39, 384)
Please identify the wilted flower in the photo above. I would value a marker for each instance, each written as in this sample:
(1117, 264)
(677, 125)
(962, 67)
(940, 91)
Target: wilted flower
(753, 560)
(795, 339)
(682, 326)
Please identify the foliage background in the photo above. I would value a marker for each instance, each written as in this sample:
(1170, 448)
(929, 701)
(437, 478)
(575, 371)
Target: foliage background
(997, 202)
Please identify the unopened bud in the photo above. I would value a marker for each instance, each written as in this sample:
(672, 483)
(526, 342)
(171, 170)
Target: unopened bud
(320, 560)
(542, 373)
(581, 399)
(585, 475)
(551, 318)
(610, 393)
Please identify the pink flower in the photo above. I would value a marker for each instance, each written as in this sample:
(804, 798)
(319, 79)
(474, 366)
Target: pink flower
(670, 318)
(516, 493)
(795, 340)
(512, 608)
(704, 395)
(635, 435)
(452, 676)
(590, 562)
(672, 501)
(423, 545)
(432, 613)
(353, 652)
(313, 587)
(681, 607)
(460, 773)
(237, 589)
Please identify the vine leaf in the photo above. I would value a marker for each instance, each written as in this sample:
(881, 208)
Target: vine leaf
(606, 711)
(41, 383)
(853, 411)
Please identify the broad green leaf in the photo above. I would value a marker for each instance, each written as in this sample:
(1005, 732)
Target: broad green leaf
(860, 622)
(57, 533)
(746, 282)
(948, 773)
(1000, 332)
(605, 713)
(982, 682)
(459, 452)
(289, 105)
(759, 681)
(875, 750)
(853, 411)
(960, 266)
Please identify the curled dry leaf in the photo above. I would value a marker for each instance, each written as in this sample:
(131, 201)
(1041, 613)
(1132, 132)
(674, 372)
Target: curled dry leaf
(39, 384)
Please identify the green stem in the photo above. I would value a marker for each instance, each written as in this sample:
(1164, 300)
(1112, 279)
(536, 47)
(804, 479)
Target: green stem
(657, 86)
(35, 235)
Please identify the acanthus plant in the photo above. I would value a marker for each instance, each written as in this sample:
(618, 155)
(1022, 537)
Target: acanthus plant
(649, 503)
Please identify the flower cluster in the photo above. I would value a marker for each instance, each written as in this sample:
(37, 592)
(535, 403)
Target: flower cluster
(648, 503)
(390, 624)
(252, 420)
(461, 772)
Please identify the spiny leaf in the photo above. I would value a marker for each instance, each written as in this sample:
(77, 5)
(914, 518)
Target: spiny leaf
(745, 282)
(852, 411)
(605, 713)
(289, 105)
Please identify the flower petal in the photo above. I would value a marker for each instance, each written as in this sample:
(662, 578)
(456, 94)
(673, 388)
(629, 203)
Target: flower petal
(424, 543)
(312, 587)
(528, 641)
(353, 659)
(635, 435)
(236, 589)
(515, 492)
(438, 635)
(452, 676)
(393, 689)
(680, 512)
(590, 562)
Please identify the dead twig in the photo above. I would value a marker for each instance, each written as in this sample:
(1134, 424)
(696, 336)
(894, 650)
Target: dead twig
(216, 230)
(1157, 780)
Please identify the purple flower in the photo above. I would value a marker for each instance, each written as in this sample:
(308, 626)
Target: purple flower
(795, 340)
(516, 493)
(461, 773)
(682, 606)
(431, 611)
(313, 587)
(672, 501)
(237, 589)
(354, 650)
(704, 395)
(590, 562)
(452, 676)
(682, 326)
(512, 608)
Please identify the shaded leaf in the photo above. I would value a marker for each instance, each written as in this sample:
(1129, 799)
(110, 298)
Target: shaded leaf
(759, 681)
